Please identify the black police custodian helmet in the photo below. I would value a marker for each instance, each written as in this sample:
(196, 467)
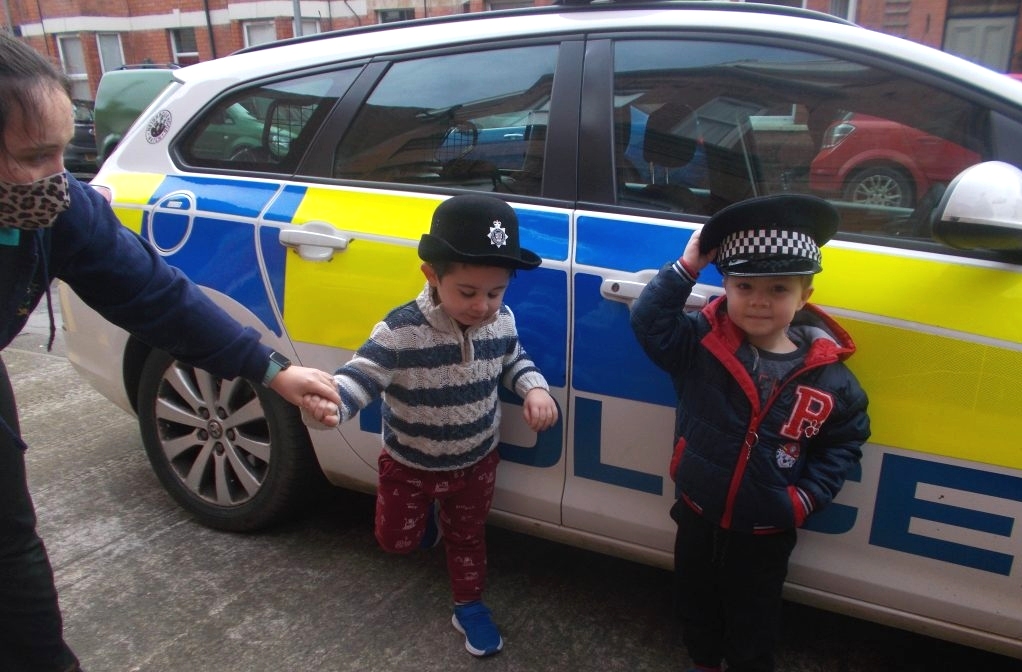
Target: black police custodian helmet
(770, 235)
(476, 229)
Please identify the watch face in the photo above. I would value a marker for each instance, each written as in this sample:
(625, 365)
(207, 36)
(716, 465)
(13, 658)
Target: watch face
(280, 360)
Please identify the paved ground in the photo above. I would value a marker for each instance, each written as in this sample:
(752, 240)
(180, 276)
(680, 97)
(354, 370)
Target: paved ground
(144, 589)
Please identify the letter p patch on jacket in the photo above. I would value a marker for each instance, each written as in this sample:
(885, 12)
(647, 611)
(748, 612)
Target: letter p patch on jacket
(810, 411)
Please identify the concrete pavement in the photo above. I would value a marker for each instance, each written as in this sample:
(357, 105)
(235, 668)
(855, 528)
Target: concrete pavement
(145, 589)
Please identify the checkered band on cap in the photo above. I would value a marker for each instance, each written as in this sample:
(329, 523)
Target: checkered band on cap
(759, 243)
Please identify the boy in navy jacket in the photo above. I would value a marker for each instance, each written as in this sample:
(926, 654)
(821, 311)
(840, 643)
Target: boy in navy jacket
(769, 420)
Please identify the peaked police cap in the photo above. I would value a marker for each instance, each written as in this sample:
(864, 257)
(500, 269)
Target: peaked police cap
(771, 235)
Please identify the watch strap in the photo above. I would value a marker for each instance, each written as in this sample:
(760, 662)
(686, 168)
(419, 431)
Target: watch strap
(277, 363)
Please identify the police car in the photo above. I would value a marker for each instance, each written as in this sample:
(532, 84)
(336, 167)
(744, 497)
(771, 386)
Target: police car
(614, 131)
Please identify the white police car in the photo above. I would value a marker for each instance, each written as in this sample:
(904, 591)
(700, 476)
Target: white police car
(614, 131)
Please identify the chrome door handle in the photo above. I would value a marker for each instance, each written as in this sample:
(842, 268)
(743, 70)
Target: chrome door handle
(626, 290)
(314, 241)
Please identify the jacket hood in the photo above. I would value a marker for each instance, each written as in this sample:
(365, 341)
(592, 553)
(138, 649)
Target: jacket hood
(828, 340)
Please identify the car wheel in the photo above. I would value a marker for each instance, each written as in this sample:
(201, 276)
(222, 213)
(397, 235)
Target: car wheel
(879, 185)
(234, 455)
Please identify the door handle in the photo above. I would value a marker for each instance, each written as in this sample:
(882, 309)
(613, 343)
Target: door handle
(626, 290)
(621, 290)
(314, 241)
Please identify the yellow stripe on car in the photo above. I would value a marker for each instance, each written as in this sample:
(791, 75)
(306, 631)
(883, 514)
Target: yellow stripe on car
(939, 394)
(131, 193)
(950, 390)
(930, 291)
(363, 282)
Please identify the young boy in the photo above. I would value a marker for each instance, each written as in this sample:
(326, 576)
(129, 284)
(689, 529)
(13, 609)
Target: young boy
(437, 362)
(769, 423)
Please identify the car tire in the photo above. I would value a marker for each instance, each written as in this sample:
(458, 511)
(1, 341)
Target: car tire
(880, 185)
(233, 454)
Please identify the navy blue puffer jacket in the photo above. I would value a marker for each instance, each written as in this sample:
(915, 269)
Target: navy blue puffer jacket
(744, 465)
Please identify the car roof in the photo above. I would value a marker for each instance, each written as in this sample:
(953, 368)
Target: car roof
(567, 6)
(700, 17)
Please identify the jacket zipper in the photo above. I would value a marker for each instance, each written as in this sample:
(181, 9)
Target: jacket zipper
(751, 439)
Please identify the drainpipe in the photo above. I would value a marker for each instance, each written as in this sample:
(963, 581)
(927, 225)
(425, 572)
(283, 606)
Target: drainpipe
(42, 25)
(209, 27)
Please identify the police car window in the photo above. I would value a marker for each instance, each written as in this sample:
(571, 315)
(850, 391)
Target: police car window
(264, 128)
(699, 125)
(473, 121)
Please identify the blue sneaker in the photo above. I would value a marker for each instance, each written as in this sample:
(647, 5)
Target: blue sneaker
(474, 621)
(433, 534)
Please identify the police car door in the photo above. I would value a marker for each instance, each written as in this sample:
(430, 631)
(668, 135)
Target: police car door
(704, 122)
(408, 134)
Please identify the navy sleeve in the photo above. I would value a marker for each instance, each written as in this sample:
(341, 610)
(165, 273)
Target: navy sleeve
(120, 276)
(661, 325)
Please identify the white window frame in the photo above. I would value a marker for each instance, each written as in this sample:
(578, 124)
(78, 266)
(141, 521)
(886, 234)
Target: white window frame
(309, 26)
(251, 30)
(392, 15)
(77, 72)
(180, 55)
(103, 50)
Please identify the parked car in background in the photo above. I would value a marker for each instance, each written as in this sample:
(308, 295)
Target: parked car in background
(80, 153)
(867, 159)
(233, 133)
(615, 131)
(121, 97)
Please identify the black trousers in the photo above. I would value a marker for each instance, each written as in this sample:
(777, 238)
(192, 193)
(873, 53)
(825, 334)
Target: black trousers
(31, 629)
(728, 591)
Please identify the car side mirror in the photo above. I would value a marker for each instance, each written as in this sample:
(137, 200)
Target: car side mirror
(982, 209)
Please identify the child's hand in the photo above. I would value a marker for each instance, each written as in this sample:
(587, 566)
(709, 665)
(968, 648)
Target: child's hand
(296, 381)
(694, 260)
(539, 409)
(322, 410)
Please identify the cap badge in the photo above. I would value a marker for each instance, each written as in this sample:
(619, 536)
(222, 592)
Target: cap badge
(497, 235)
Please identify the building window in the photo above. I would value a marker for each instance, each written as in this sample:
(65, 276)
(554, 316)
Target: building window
(259, 32)
(309, 27)
(72, 59)
(391, 15)
(786, 3)
(184, 47)
(841, 8)
(111, 56)
(495, 5)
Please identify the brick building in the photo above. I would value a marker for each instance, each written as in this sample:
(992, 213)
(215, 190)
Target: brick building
(89, 37)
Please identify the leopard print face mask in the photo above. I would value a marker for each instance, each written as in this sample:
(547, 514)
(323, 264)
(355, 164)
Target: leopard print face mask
(34, 205)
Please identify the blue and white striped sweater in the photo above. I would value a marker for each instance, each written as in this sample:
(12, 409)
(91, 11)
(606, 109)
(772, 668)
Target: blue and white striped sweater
(439, 384)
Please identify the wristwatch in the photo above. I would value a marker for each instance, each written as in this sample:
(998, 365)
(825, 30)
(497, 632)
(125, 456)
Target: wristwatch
(278, 363)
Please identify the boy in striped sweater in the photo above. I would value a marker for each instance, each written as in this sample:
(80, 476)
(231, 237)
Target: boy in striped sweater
(437, 362)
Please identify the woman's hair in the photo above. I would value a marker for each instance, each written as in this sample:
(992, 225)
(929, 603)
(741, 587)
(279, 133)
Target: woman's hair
(25, 79)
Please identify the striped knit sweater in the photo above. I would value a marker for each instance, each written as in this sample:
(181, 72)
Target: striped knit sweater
(438, 383)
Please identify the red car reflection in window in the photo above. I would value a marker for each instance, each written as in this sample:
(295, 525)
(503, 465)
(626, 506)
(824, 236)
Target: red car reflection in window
(870, 160)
